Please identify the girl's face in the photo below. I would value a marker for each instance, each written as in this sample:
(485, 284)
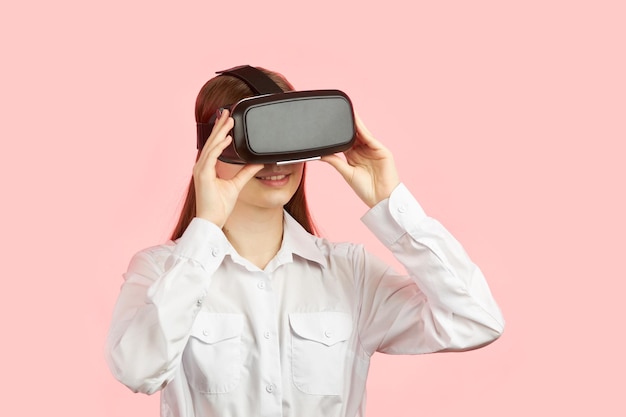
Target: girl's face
(272, 187)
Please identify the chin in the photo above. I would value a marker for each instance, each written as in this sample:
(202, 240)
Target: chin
(276, 200)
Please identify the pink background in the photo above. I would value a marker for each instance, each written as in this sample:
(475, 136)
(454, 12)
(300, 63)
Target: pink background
(507, 120)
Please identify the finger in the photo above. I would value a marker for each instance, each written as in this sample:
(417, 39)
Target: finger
(221, 118)
(218, 147)
(365, 135)
(221, 128)
(206, 164)
(222, 114)
(340, 165)
(246, 174)
(218, 137)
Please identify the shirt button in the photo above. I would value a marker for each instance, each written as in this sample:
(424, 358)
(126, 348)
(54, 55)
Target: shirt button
(205, 332)
(401, 209)
(261, 285)
(270, 388)
(328, 334)
(215, 252)
(199, 302)
(266, 335)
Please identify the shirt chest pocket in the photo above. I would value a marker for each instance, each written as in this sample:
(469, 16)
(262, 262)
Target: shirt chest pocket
(213, 357)
(319, 348)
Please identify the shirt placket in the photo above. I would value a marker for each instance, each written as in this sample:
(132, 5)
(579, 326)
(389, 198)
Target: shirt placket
(269, 348)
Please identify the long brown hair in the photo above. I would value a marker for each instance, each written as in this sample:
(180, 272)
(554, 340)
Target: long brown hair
(221, 91)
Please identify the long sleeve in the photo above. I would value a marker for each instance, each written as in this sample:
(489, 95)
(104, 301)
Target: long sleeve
(443, 304)
(162, 293)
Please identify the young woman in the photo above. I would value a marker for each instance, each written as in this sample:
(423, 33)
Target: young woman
(245, 312)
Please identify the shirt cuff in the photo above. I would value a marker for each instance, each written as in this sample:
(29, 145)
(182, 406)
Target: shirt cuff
(394, 216)
(202, 241)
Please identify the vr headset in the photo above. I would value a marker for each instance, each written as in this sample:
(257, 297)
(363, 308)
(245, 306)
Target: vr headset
(283, 127)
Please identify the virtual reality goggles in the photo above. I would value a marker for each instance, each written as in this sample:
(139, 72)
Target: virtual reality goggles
(283, 127)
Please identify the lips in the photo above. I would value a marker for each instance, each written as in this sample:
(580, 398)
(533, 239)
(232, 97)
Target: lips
(272, 177)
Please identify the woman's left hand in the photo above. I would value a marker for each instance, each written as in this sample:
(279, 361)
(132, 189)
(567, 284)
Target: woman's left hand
(368, 168)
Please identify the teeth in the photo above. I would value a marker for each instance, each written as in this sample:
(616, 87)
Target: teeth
(273, 177)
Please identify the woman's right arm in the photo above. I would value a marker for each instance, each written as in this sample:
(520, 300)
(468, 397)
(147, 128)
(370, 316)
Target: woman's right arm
(164, 286)
(162, 293)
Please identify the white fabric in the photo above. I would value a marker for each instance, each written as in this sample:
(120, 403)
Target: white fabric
(220, 337)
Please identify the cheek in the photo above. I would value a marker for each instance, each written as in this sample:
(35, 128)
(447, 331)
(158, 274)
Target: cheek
(297, 174)
(300, 171)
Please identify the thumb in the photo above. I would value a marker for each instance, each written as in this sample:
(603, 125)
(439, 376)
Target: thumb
(246, 174)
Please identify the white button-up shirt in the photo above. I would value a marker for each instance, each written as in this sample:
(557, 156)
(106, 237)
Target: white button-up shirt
(221, 337)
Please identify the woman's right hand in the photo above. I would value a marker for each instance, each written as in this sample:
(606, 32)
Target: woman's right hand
(216, 197)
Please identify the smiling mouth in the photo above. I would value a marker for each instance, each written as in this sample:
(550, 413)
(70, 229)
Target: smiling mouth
(272, 177)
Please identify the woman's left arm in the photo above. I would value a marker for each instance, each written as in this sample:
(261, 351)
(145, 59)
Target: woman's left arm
(446, 303)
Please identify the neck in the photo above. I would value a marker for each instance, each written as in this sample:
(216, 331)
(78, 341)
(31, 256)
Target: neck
(255, 234)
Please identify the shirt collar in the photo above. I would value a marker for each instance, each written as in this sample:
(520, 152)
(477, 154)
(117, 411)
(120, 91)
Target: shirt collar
(296, 240)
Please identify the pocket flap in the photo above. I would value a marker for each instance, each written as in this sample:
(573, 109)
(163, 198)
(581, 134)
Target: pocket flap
(326, 327)
(215, 327)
